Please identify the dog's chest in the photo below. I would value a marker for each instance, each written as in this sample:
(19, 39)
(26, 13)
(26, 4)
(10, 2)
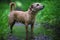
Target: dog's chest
(30, 19)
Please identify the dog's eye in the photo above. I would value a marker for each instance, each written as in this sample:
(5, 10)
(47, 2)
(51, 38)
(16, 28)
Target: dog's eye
(37, 4)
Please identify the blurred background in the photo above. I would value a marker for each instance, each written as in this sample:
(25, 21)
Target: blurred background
(47, 24)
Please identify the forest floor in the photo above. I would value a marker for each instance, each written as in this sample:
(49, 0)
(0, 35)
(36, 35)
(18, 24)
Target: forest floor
(17, 37)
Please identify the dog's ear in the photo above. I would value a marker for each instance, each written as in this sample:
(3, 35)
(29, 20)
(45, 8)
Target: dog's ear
(31, 7)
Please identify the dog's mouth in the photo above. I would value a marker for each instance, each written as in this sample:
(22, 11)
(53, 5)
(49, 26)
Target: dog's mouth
(41, 8)
(38, 9)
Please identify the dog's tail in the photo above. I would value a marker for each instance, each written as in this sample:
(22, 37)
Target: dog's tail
(12, 6)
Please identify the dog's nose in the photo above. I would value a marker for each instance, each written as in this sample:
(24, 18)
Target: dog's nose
(43, 6)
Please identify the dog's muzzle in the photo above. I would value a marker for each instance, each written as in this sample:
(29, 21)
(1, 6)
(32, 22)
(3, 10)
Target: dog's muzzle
(42, 7)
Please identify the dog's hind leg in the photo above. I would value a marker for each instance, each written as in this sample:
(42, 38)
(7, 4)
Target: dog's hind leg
(11, 23)
(11, 26)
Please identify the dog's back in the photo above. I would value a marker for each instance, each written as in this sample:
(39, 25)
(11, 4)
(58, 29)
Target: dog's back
(19, 16)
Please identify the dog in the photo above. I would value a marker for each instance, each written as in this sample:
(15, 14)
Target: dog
(24, 17)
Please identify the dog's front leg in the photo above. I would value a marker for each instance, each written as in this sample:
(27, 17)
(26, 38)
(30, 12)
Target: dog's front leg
(32, 27)
(26, 24)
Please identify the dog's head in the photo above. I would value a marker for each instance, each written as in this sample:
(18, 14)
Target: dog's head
(36, 7)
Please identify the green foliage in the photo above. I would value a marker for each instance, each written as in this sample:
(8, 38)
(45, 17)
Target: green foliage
(50, 14)
(3, 19)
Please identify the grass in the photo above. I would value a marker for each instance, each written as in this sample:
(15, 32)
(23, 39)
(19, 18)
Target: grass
(20, 31)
